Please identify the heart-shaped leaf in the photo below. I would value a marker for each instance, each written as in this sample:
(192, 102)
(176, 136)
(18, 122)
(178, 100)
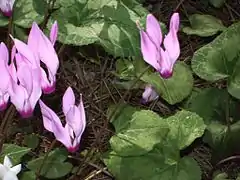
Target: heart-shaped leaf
(203, 25)
(111, 23)
(28, 11)
(15, 152)
(140, 134)
(220, 59)
(53, 167)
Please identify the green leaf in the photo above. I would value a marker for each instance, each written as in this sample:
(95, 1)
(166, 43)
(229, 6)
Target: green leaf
(174, 89)
(121, 115)
(28, 11)
(140, 134)
(220, 59)
(214, 106)
(54, 166)
(184, 127)
(203, 25)
(29, 175)
(217, 3)
(151, 166)
(110, 23)
(14, 152)
(31, 141)
(3, 20)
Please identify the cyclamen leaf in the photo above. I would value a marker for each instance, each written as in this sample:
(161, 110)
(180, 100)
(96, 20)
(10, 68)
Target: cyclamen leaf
(220, 59)
(203, 25)
(15, 152)
(151, 166)
(171, 89)
(110, 23)
(28, 11)
(140, 134)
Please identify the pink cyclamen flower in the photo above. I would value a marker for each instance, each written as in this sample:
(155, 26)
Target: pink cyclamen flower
(149, 94)
(5, 77)
(6, 7)
(162, 59)
(43, 47)
(70, 134)
(40, 48)
(25, 88)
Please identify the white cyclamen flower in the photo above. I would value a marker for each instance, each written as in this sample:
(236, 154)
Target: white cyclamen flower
(8, 171)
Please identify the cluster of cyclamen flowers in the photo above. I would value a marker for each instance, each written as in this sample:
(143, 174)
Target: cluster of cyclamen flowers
(162, 59)
(23, 81)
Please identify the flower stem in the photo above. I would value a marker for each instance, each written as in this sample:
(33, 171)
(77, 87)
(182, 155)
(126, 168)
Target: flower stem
(7, 120)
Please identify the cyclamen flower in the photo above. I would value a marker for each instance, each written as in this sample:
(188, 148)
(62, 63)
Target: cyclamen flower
(44, 50)
(162, 59)
(5, 77)
(40, 48)
(25, 88)
(8, 171)
(70, 134)
(149, 94)
(6, 7)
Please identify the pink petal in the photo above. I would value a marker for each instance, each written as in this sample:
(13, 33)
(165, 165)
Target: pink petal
(166, 64)
(5, 76)
(171, 43)
(73, 119)
(33, 38)
(6, 7)
(61, 134)
(47, 87)
(3, 101)
(82, 113)
(36, 89)
(25, 51)
(149, 94)
(18, 96)
(153, 30)
(68, 100)
(54, 32)
(48, 55)
(149, 50)
(48, 116)
(25, 78)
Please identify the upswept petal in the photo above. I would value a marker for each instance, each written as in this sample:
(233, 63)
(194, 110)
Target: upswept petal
(26, 52)
(10, 176)
(3, 171)
(61, 134)
(5, 76)
(48, 116)
(171, 43)
(82, 113)
(7, 162)
(54, 32)
(36, 88)
(16, 169)
(33, 37)
(48, 55)
(153, 30)
(149, 50)
(68, 100)
(166, 64)
(18, 96)
(24, 74)
(74, 121)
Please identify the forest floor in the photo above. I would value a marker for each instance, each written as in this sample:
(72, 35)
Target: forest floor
(89, 71)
